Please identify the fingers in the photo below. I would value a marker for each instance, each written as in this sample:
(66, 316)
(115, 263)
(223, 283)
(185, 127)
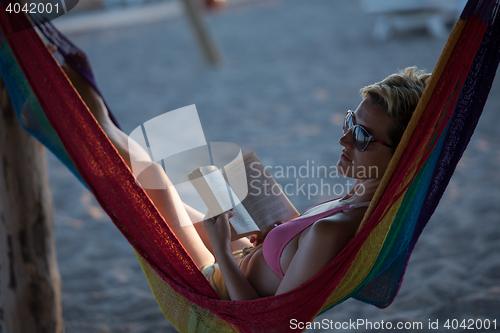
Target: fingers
(225, 216)
(218, 228)
(230, 212)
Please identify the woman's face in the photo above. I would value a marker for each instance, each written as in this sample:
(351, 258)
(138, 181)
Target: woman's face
(371, 163)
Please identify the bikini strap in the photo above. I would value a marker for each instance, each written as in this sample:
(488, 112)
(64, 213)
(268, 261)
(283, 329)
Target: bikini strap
(360, 204)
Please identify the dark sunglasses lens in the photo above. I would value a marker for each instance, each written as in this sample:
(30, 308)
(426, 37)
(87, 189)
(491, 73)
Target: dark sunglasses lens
(360, 138)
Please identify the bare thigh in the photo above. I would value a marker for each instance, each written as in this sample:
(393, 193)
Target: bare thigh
(169, 204)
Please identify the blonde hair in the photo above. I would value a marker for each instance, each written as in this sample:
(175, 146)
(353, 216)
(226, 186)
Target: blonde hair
(398, 94)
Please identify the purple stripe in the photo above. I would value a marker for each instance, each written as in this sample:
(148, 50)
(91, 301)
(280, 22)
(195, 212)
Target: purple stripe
(468, 110)
(478, 8)
(469, 9)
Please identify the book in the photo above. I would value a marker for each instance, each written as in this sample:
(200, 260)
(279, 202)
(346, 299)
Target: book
(245, 185)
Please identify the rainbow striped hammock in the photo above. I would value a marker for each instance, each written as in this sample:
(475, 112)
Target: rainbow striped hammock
(370, 268)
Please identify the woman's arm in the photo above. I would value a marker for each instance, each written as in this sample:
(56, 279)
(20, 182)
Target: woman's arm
(238, 286)
(319, 246)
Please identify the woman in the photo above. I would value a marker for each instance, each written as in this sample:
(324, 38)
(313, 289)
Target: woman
(297, 250)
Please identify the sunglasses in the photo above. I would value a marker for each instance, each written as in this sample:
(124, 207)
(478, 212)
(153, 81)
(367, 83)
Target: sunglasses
(360, 136)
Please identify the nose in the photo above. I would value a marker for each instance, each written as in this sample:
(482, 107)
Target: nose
(346, 139)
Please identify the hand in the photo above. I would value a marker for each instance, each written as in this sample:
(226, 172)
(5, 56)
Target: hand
(256, 240)
(219, 230)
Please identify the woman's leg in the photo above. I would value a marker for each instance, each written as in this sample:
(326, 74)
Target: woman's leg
(188, 228)
(169, 204)
(162, 193)
(164, 196)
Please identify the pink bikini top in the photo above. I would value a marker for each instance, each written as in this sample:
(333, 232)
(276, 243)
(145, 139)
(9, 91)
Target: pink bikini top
(279, 237)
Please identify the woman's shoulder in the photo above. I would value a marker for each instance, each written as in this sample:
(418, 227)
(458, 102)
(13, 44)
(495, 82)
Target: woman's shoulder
(343, 221)
(326, 238)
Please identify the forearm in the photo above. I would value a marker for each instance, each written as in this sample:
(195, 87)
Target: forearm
(237, 284)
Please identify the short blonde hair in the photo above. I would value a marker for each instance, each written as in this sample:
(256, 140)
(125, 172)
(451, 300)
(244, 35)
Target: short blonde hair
(398, 94)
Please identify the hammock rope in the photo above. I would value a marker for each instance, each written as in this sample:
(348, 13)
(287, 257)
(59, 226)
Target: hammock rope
(370, 268)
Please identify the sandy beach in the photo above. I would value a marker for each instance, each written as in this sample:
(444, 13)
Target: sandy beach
(292, 69)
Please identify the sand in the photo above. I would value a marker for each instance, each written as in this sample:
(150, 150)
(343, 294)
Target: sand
(291, 70)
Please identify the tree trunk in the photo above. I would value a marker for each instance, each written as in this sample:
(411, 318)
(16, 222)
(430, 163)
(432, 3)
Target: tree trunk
(30, 283)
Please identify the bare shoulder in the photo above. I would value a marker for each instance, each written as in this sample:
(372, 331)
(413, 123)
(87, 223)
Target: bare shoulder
(318, 245)
(345, 222)
(327, 237)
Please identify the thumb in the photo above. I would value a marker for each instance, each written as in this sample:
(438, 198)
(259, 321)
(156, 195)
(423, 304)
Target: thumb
(226, 215)
(230, 213)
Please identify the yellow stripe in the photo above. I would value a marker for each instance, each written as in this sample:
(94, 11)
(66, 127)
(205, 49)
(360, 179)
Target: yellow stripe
(181, 313)
(366, 257)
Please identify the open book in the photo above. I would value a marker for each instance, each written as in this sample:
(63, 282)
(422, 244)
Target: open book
(256, 197)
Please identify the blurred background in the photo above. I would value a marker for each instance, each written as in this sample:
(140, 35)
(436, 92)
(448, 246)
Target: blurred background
(289, 71)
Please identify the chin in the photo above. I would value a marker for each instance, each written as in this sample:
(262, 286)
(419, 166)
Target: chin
(339, 167)
(344, 170)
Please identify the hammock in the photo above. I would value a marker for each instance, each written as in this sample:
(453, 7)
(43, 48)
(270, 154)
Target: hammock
(372, 265)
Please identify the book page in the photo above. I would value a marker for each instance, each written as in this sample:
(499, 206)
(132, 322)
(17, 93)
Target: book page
(199, 182)
(242, 222)
(221, 191)
(238, 170)
(265, 201)
(219, 198)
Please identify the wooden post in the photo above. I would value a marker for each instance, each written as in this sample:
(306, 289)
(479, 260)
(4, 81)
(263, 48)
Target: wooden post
(30, 283)
(201, 31)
